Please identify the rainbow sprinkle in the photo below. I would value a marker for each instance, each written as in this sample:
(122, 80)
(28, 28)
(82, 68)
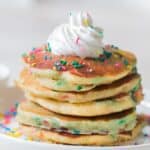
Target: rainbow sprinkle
(9, 125)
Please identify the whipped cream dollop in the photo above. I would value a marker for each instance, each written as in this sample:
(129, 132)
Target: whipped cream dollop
(79, 37)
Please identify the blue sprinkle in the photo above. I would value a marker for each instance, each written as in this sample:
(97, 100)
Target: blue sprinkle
(8, 113)
(14, 113)
(4, 127)
(46, 57)
(33, 48)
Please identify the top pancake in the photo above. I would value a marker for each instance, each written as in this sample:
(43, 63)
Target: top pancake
(112, 65)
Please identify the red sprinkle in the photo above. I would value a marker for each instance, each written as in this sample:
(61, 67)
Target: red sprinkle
(63, 68)
(46, 123)
(12, 109)
(6, 121)
(118, 65)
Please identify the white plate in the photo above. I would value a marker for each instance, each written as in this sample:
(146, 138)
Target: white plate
(10, 143)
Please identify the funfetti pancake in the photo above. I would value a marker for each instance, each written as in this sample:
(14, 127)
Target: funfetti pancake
(78, 89)
(89, 109)
(91, 71)
(90, 140)
(34, 115)
(29, 83)
(56, 85)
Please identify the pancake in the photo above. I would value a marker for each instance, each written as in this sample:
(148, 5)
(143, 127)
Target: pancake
(34, 115)
(59, 85)
(28, 83)
(93, 140)
(77, 70)
(95, 108)
(62, 85)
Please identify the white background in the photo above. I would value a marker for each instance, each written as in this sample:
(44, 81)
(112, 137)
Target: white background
(27, 23)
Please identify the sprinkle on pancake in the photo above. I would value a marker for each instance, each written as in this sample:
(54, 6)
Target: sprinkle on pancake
(34, 115)
(95, 108)
(91, 140)
(81, 67)
(29, 84)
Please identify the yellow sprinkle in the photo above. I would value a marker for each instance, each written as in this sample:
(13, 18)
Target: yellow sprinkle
(14, 134)
(10, 134)
(115, 56)
(129, 67)
(86, 22)
(29, 139)
(17, 134)
(33, 64)
(15, 129)
(1, 115)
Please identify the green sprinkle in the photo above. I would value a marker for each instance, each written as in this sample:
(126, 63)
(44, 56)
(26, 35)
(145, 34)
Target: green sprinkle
(63, 62)
(79, 87)
(49, 48)
(77, 132)
(16, 105)
(76, 65)
(107, 54)
(102, 58)
(24, 55)
(37, 121)
(135, 88)
(59, 82)
(101, 33)
(121, 122)
(126, 62)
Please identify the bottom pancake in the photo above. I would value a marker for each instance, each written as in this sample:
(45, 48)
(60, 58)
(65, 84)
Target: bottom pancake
(65, 138)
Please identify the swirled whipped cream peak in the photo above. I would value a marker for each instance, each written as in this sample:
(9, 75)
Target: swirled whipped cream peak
(78, 37)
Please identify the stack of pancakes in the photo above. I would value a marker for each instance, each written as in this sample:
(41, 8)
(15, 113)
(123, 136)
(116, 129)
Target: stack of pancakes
(72, 100)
